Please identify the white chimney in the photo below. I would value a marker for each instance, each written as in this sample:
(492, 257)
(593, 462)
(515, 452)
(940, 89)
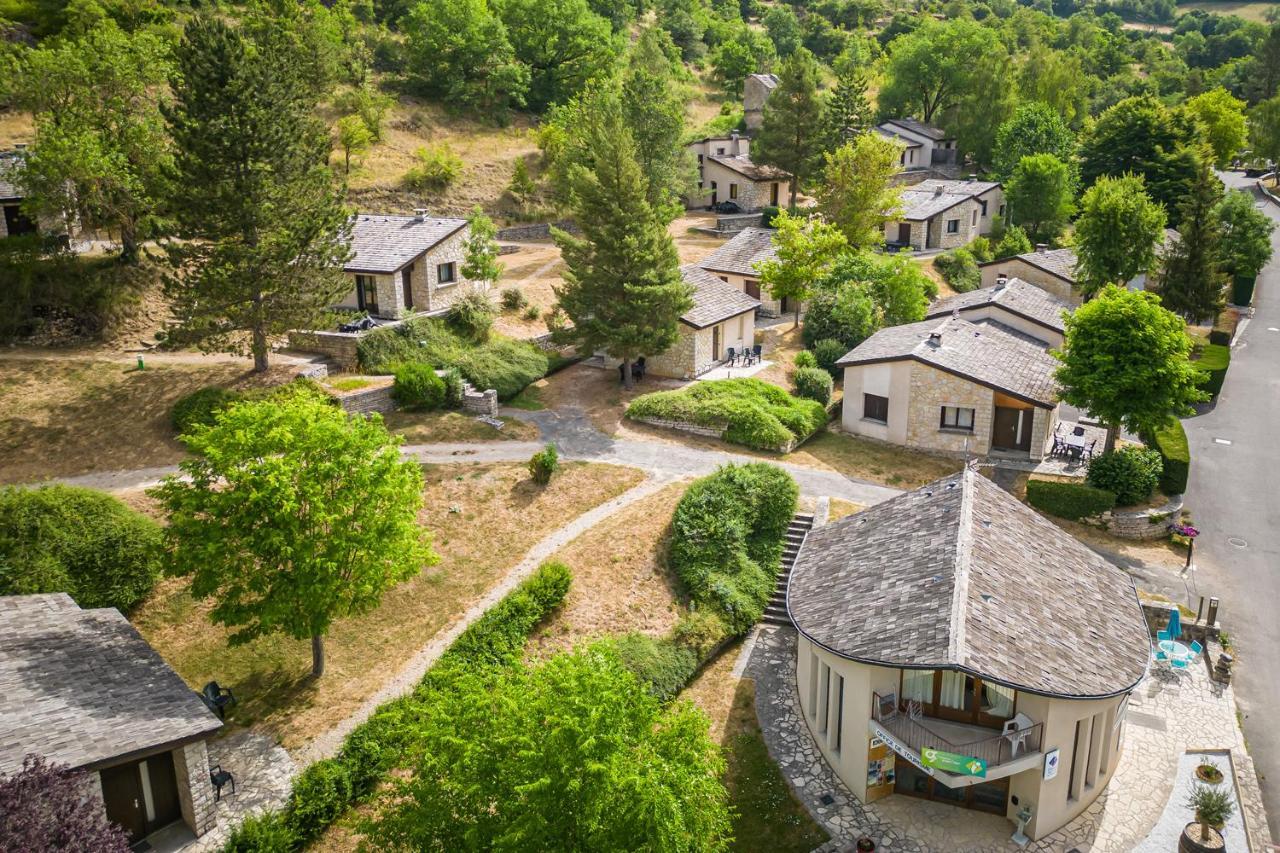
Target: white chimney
(420, 214)
(1042, 247)
(935, 339)
(735, 147)
(1002, 279)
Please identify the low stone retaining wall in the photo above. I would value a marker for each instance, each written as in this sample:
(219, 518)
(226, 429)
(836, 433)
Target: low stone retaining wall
(479, 402)
(683, 426)
(1143, 524)
(365, 400)
(535, 231)
(338, 347)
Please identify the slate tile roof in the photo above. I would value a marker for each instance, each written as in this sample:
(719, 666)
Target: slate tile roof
(929, 198)
(961, 575)
(81, 686)
(743, 165)
(988, 353)
(1059, 262)
(9, 165)
(383, 244)
(737, 257)
(919, 128)
(713, 300)
(1015, 296)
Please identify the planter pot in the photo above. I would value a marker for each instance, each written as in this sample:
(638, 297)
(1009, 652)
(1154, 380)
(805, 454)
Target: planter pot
(865, 845)
(1190, 841)
(1209, 778)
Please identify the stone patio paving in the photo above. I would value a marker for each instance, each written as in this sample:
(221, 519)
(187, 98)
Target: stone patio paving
(263, 772)
(738, 371)
(1168, 715)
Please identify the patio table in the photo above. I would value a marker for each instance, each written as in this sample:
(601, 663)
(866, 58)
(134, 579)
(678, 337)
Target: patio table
(1074, 444)
(1175, 650)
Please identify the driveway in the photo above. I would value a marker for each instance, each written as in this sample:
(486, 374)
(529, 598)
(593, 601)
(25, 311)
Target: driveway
(1234, 497)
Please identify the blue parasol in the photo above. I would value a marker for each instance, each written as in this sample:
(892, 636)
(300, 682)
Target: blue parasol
(1175, 624)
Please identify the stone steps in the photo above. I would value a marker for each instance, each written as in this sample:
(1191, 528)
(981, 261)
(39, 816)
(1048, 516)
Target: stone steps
(775, 612)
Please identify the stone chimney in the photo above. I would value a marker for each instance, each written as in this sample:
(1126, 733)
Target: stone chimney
(972, 177)
(1041, 248)
(420, 214)
(1002, 279)
(735, 144)
(938, 190)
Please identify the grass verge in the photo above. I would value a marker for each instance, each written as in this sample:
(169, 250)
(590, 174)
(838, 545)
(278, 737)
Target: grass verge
(876, 461)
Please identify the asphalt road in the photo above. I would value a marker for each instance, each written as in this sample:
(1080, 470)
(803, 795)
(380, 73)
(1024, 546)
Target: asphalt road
(1234, 497)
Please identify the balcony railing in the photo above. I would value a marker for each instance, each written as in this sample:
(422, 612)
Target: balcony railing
(994, 750)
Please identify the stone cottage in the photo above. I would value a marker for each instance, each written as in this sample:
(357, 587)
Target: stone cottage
(737, 262)
(939, 214)
(923, 145)
(726, 173)
(1016, 304)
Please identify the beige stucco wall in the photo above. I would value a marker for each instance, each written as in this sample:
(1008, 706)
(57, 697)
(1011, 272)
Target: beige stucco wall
(752, 195)
(769, 306)
(1018, 268)
(892, 380)
(1051, 802)
(692, 354)
(428, 294)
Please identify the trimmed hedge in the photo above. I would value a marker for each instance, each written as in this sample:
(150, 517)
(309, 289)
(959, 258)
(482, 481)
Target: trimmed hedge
(1224, 328)
(417, 388)
(1214, 359)
(804, 358)
(78, 541)
(326, 789)
(813, 383)
(1171, 443)
(1130, 473)
(1069, 500)
(1242, 289)
(751, 412)
(828, 352)
(727, 539)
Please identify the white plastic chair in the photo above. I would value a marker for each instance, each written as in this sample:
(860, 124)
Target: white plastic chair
(1015, 731)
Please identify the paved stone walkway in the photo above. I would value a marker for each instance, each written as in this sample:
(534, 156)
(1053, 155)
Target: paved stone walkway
(263, 772)
(1168, 715)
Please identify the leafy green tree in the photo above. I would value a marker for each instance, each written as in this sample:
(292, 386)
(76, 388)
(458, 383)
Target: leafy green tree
(653, 103)
(1264, 130)
(793, 134)
(458, 51)
(856, 192)
(1040, 195)
(1268, 77)
(806, 248)
(265, 231)
(522, 186)
(898, 288)
(622, 288)
(1246, 234)
(292, 514)
(353, 138)
(498, 755)
(1222, 116)
(748, 52)
(840, 310)
(562, 42)
(619, 13)
(784, 29)
(1035, 128)
(368, 103)
(1056, 78)
(1190, 282)
(100, 148)
(1125, 360)
(1117, 232)
(480, 263)
(848, 110)
(1013, 242)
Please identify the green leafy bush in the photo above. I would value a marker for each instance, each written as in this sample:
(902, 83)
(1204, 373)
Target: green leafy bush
(532, 313)
(320, 794)
(1069, 500)
(500, 363)
(980, 248)
(513, 299)
(1013, 242)
(702, 630)
(417, 388)
(768, 214)
(805, 358)
(78, 541)
(727, 539)
(846, 314)
(813, 383)
(1214, 360)
(827, 353)
(544, 464)
(1170, 441)
(472, 315)
(959, 269)
(658, 662)
(437, 167)
(201, 407)
(749, 411)
(1130, 473)
(263, 833)
(453, 389)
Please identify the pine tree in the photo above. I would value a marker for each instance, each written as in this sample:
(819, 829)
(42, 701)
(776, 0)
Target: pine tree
(1191, 283)
(264, 230)
(622, 286)
(848, 110)
(653, 102)
(522, 186)
(793, 134)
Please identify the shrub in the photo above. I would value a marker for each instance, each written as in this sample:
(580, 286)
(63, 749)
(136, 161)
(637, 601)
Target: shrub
(320, 794)
(813, 383)
(827, 353)
(749, 411)
(438, 166)
(1014, 242)
(980, 248)
(544, 464)
(417, 388)
(78, 541)
(513, 299)
(1214, 360)
(453, 389)
(200, 408)
(1069, 500)
(1170, 441)
(702, 631)
(1131, 473)
(768, 214)
(845, 313)
(805, 358)
(959, 269)
(264, 833)
(48, 808)
(727, 539)
(472, 315)
(658, 662)
(532, 313)
(1224, 328)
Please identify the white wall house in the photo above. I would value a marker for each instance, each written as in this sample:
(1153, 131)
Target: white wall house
(737, 262)
(923, 146)
(940, 214)
(727, 173)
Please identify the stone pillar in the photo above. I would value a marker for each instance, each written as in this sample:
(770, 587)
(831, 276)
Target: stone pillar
(195, 791)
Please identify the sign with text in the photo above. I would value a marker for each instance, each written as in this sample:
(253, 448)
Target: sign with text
(899, 747)
(965, 765)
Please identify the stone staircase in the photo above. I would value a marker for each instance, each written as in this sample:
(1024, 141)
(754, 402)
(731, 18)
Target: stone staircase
(775, 612)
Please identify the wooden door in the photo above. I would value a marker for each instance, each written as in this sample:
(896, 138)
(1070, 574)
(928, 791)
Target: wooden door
(122, 795)
(752, 288)
(406, 279)
(715, 343)
(1006, 431)
(904, 232)
(713, 194)
(164, 790)
(773, 195)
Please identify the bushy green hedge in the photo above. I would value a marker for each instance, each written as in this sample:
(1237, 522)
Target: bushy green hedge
(201, 407)
(813, 383)
(1170, 441)
(1069, 500)
(1130, 473)
(661, 663)
(959, 269)
(1242, 289)
(1224, 329)
(828, 352)
(78, 541)
(326, 789)
(500, 363)
(417, 388)
(727, 539)
(1214, 359)
(804, 358)
(753, 413)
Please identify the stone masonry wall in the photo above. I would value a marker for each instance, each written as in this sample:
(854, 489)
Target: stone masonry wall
(1144, 524)
(195, 791)
(931, 390)
(366, 400)
(536, 231)
(677, 362)
(340, 347)
(964, 212)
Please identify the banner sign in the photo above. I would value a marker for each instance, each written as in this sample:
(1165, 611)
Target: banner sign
(901, 748)
(952, 763)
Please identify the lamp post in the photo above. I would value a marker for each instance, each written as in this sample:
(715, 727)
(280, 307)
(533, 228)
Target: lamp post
(1190, 533)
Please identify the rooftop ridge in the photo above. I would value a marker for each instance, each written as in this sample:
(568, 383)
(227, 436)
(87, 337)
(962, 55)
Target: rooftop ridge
(956, 649)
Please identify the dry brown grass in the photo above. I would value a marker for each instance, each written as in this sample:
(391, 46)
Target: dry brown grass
(16, 127)
(534, 271)
(871, 460)
(599, 394)
(482, 518)
(621, 581)
(944, 289)
(841, 507)
(430, 427)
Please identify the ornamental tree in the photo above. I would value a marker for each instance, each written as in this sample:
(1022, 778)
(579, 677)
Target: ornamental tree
(856, 193)
(1035, 128)
(574, 754)
(1125, 360)
(1117, 232)
(806, 248)
(1191, 281)
(1246, 234)
(290, 515)
(46, 808)
(480, 263)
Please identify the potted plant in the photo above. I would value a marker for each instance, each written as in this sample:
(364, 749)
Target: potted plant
(1207, 772)
(865, 845)
(1213, 807)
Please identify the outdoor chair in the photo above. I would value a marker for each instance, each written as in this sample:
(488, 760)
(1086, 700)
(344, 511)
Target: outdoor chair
(1178, 663)
(1196, 649)
(755, 353)
(218, 778)
(217, 698)
(1079, 430)
(1161, 655)
(1088, 451)
(731, 356)
(1015, 731)
(1162, 635)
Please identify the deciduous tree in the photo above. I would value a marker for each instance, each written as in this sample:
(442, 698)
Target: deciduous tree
(1222, 116)
(806, 248)
(1246, 234)
(856, 192)
(292, 514)
(458, 51)
(793, 134)
(353, 138)
(1117, 232)
(622, 288)
(562, 42)
(1264, 130)
(1035, 128)
(1040, 195)
(45, 808)
(1191, 282)
(480, 263)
